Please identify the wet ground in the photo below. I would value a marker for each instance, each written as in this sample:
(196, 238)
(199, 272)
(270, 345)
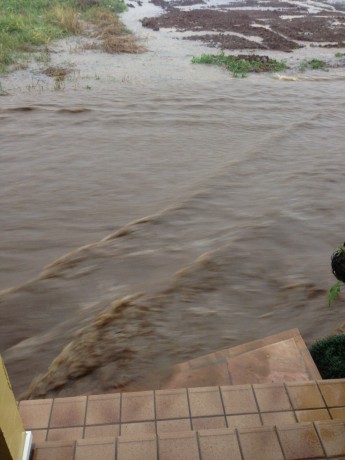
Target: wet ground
(262, 25)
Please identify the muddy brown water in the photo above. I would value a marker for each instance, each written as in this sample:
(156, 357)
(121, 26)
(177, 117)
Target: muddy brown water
(243, 188)
(153, 211)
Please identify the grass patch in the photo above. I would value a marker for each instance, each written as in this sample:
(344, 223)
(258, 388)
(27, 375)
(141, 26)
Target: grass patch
(339, 55)
(313, 64)
(113, 34)
(329, 356)
(241, 65)
(28, 24)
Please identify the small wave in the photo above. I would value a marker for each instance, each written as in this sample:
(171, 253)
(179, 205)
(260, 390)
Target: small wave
(21, 109)
(74, 110)
(285, 77)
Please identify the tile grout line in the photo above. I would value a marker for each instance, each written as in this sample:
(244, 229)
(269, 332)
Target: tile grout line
(197, 417)
(155, 410)
(290, 401)
(120, 416)
(198, 443)
(319, 438)
(116, 444)
(155, 415)
(237, 434)
(224, 411)
(189, 409)
(257, 405)
(86, 408)
(74, 449)
(49, 420)
(279, 441)
(324, 400)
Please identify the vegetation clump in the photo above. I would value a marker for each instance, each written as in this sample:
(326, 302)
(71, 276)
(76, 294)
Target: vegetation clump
(329, 356)
(26, 25)
(241, 65)
(313, 64)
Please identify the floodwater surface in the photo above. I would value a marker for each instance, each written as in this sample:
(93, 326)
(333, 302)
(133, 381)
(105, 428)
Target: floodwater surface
(173, 218)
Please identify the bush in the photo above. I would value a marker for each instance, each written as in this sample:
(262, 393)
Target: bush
(329, 356)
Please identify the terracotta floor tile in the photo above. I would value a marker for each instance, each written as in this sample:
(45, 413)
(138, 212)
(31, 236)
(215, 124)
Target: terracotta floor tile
(171, 426)
(239, 399)
(101, 431)
(54, 451)
(68, 412)
(277, 362)
(219, 445)
(38, 435)
(178, 446)
(205, 423)
(305, 395)
(87, 449)
(272, 397)
(103, 409)
(135, 428)
(134, 448)
(276, 418)
(215, 374)
(260, 443)
(338, 412)
(332, 435)
(300, 441)
(137, 407)
(205, 402)
(171, 404)
(312, 415)
(211, 375)
(333, 391)
(244, 421)
(65, 434)
(181, 367)
(259, 343)
(35, 413)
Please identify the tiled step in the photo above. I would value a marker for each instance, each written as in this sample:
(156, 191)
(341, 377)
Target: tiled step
(270, 416)
(318, 440)
(278, 358)
(161, 411)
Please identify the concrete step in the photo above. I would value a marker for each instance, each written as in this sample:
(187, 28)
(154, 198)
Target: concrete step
(318, 440)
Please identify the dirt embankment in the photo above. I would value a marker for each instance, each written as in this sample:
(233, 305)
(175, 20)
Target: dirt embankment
(280, 26)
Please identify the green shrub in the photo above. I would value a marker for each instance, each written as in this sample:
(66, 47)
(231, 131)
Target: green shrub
(329, 356)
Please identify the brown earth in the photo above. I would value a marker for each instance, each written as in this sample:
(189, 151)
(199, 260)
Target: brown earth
(268, 30)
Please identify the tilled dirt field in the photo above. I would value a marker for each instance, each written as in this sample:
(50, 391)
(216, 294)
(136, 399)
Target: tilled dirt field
(280, 26)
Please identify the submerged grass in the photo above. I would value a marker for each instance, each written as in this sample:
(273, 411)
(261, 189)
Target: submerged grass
(240, 66)
(25, 25)
(114, 36)
(313, 64)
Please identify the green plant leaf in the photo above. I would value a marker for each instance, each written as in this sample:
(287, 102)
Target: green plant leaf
(334, 292)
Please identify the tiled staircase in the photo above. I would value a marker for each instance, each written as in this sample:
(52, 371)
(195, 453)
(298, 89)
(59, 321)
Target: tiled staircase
(299, 416)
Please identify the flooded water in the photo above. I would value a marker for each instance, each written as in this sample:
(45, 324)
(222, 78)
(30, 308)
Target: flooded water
(219, 201)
